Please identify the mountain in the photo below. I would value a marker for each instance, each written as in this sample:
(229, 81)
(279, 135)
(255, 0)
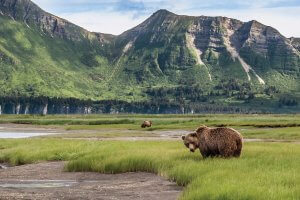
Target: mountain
(42, 54)
(214, 47)
(167, 58)
(29, 13)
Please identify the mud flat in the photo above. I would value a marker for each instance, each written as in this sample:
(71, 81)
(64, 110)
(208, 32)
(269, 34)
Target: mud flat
(49, 181)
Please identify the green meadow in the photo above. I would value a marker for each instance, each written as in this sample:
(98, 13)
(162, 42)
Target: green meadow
(266, 170)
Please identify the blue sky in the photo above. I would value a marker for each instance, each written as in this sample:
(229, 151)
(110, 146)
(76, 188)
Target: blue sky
(116, 16)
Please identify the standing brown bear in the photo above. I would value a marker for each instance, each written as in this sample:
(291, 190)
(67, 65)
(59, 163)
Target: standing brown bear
(212, 142)
(146, 124)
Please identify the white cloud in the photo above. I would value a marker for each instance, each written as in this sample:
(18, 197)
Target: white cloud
(104, 22)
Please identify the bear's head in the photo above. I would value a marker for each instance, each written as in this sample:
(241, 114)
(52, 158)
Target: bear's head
(191, 141)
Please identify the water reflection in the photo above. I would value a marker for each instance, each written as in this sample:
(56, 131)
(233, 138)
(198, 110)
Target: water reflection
(38, 184)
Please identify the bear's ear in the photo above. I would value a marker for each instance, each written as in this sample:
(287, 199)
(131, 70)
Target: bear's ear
(183, 137)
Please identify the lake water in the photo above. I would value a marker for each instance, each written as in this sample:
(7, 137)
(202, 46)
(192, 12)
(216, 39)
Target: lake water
(16, 135)
(6, 133)
(38, 184)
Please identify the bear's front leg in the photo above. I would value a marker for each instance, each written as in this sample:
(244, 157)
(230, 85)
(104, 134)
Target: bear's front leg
(205, 153)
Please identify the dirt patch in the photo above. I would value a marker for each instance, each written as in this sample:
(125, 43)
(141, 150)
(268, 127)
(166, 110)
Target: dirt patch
(48, 181)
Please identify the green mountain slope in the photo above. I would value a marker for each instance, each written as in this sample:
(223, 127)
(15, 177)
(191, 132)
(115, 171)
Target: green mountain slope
(169, 57)
(57, 60)
(169, 51)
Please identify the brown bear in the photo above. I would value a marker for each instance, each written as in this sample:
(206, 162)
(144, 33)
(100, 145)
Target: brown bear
(213, 142)
(146, 124)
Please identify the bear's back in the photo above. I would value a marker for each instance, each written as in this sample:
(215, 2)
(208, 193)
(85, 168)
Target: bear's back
(219, 141)
(220, 133)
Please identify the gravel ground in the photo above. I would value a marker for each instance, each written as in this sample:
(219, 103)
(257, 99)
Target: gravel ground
(48, 181)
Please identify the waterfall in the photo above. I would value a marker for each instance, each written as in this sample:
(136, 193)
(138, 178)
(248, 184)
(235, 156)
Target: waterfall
(182, 110)
(89, 110)
(26, 110)
(18, 109)
(0, 110)
(45, 110)
(113, 111)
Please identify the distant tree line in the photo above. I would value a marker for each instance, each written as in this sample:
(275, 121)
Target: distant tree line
(55, 105)
(287, 101)
(43, 105)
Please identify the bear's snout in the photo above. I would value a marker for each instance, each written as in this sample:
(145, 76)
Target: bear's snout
(192, 147)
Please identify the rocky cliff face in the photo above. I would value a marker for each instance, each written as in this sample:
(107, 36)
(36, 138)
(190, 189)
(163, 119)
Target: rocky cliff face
(271, 49)
(296, 43)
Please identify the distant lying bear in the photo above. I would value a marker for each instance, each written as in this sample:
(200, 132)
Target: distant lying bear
(212, 142)
(146, 124)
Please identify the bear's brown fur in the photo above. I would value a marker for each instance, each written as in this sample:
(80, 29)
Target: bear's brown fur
(212, 142)
(146, 124)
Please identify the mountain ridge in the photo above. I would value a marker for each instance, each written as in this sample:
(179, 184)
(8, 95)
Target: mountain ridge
(211, 54)
(30, 13)
(250, 39)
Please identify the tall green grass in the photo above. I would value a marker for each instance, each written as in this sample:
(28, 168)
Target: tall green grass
(265, 170)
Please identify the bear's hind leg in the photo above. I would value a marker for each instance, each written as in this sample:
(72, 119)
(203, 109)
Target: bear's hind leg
(238, 150)
(226, 151)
